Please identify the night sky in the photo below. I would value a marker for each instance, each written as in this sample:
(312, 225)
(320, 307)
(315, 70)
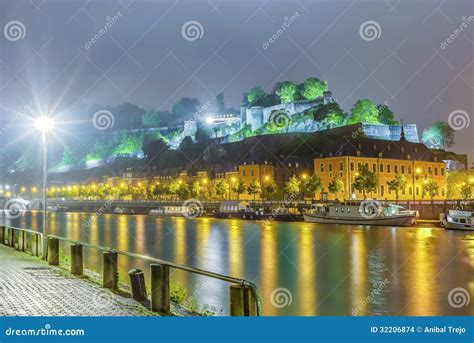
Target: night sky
(146, 59)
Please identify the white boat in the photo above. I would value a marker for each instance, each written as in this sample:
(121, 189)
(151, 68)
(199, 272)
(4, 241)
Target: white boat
(457, 220)
(57, 208)
(123, 210)
(368, 212)
(176, 211)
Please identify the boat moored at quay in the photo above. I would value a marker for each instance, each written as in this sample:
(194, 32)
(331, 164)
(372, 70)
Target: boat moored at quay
(368, 212)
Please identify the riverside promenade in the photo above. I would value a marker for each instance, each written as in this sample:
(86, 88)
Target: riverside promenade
(31, 287)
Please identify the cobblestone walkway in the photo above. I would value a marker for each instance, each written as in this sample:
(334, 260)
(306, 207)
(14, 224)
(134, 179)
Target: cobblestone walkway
(30, 287)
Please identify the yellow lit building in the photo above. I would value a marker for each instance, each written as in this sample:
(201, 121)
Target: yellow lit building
(387, 159)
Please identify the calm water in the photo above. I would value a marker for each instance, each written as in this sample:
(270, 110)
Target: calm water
(325, 269)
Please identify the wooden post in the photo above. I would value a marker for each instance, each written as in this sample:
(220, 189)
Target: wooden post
(160, 288)
(53, 251)
(236, 300)
(35, 245)
(109, 270)
(2, 234)
(23, 241)
(77, 266)
(242, 301)
(11, 237)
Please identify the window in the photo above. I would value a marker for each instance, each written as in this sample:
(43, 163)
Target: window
(321, 167)
(388, 168)
(367, 166)
(352, 166)
(341, 166)
(429, 170)
(358, 153)
(382, 192)
(409, 170)
(374, 147)
(403, 191)
(381, 168)
(410, 190)
(442, 171)
(359, 166)
(380, 154)
(243, 173)
(436, 171)
(374, 167)
(408, 157)
(395, 168)
(403, 169)
(330, 167)
(251, 172)
(442, 191)
(417, 190)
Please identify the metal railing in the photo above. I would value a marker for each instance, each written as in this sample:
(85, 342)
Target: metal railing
(244, 295)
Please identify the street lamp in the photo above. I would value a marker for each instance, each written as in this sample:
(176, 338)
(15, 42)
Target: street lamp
(44, 124)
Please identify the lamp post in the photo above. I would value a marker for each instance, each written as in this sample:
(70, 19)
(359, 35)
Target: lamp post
(45, 124)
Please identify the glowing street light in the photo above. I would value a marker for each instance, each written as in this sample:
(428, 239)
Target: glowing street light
(45, 124)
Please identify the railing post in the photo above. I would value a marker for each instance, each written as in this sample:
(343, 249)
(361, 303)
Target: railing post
(2, 234)
(160, 288)
(11, 237)
(53, 251)
(109, 270)
(242, 301)
(77, 266)
(35, 245)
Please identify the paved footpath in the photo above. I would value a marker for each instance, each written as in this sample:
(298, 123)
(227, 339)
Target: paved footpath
(30, 287)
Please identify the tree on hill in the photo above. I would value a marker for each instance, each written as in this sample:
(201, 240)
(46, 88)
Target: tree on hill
(397, 184)
(154, 148)
(438, 136)
(256, 96)
(287, 92)
(331, 113)
(386, 115)
(187, 147)
(366, 181)
(184, 109)
(220, 103)
(150, 119)
(313, 88)
(364, 111)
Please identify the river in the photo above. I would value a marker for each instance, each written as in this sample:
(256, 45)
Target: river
(300, 268)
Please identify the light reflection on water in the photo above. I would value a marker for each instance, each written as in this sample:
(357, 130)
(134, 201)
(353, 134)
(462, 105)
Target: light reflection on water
(328, 269)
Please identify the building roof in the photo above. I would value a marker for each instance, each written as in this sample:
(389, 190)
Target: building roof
(368, 147)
